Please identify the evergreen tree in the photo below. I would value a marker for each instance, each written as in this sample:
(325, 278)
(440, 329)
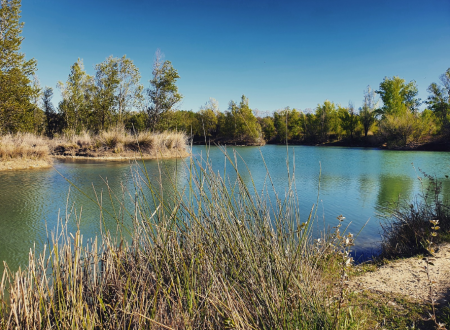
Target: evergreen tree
(17, 112)
(53, 123)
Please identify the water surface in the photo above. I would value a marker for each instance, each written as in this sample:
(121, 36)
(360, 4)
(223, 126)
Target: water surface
(354, 182)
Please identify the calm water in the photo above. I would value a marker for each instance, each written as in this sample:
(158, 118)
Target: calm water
(354, 182)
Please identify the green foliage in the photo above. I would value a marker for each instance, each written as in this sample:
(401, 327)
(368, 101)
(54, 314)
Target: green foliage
(326, 116)
(53, 119)
(129, 92)
(367, 112)
(349, 119)
(163, 93)
(397, 96)
(404, 129)
(241, 124)
(268, 128)
(439, 100)
(207, 118)
(294, 121)
(77, 97)
(135, 121)
(180, 120)
(407, 225)
(106, 83)
(17, 112)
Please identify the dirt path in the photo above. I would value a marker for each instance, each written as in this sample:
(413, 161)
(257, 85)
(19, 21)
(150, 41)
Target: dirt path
(408, 277)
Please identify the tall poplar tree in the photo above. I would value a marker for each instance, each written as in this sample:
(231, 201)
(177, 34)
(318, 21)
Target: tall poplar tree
(16, 108)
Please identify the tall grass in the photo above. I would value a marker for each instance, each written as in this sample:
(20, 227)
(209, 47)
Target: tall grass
(118, 141)
(216, 254)
(23, 145)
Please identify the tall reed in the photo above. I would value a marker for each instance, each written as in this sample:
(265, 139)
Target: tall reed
(215, 254)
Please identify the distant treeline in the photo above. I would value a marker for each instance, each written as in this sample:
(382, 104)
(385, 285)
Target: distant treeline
(114, 97)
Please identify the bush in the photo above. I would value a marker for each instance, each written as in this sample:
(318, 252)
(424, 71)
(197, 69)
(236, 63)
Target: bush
(407, 228)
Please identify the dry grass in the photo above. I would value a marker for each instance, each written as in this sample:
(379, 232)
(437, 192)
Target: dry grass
(118, 142)
(21, 151)
(23, 146)
(216, 255)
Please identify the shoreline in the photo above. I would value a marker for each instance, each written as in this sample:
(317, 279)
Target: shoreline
(18, 164)
(25, 164)
(437, 145)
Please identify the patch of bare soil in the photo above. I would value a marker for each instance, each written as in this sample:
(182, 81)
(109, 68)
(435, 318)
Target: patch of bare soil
(409, 277)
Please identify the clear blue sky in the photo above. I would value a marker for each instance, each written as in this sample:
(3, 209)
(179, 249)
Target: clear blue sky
(285, 53)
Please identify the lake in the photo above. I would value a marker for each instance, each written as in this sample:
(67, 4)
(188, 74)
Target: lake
(357, 183)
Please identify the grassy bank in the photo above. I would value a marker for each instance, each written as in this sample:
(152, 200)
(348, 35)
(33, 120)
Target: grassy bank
(22, 151)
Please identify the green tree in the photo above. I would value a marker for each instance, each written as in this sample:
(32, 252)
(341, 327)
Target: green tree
(163, 93)
(288, 124)
(367, 112)
(247, 127)
(135, 121)
(17, 112)
(326, 116)
(439, 98)
(129, 92)
(49, 110)
(77, 98)
(349, 119)
(105, 100)
(207, 118)
(268, 128)
(397, 96)
(280, 119)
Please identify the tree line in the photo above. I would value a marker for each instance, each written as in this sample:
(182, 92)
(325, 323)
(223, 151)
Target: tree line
(114, 96)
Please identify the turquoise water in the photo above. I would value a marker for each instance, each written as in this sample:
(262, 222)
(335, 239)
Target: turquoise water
(356, 183)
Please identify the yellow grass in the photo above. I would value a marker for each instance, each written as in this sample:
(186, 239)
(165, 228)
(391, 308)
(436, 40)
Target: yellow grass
(25, 150)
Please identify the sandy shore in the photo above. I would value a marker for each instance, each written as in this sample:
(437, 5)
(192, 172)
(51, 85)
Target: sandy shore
(408, 277)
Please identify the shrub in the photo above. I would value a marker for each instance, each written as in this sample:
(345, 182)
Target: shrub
(407, 228)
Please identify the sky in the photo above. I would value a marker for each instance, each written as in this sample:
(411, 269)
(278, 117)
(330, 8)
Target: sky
(277, 53)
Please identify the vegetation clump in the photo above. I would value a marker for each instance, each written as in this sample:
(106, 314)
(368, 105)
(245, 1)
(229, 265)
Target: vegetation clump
(407, 229)
(117, 142)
